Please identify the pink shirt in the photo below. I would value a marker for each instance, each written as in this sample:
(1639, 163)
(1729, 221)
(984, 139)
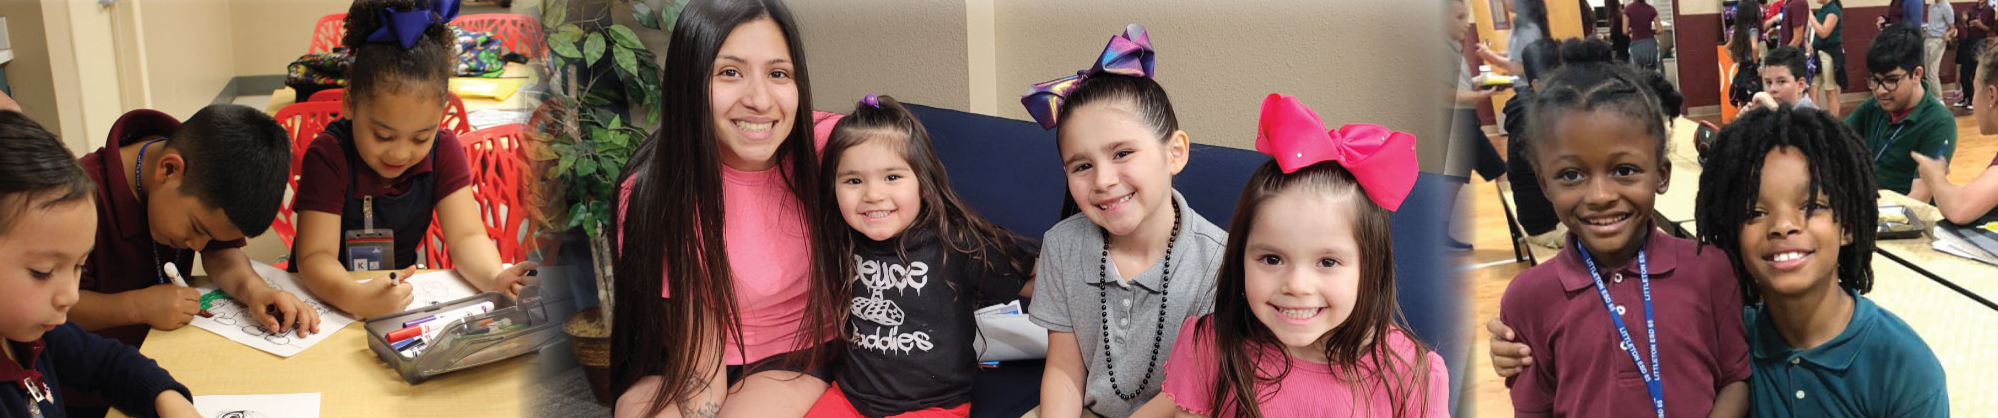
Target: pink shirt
(769, 255)
(1310, 389)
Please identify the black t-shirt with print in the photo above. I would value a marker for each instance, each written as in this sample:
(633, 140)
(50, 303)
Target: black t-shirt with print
(911, 327)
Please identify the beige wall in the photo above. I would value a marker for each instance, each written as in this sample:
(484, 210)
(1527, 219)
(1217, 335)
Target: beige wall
(29, 74)
(269, 34)
(1358, 63)
(913, 50)
(189, 52)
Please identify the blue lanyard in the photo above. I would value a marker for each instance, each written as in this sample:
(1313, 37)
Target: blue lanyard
(139, 184)
(1889, 144)
(1653, 380)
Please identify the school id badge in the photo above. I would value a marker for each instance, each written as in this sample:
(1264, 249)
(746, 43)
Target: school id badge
(370, 249)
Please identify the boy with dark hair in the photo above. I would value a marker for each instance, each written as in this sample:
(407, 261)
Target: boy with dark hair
(1903, 116)
(166, 190)
(1784, 79)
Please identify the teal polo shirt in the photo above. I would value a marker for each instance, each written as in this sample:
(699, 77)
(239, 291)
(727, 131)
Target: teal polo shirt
(1877, 367)
(1930, 129)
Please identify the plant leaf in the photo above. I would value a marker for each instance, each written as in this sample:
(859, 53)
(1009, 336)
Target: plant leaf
(555, 12)
(593, 48)
(644, 14)
(586, 167)
(670, 14)
(625, 37)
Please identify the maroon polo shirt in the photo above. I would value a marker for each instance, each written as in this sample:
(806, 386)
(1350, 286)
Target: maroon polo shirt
(1579, 368)
(126, 258)
(323, 178)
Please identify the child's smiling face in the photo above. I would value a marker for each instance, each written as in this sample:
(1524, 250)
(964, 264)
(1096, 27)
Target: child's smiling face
(1119, 172)
(1602, 171)
(41, 261)
(878, 193)
(1790, 242)
(394, 130)
(1301, 268)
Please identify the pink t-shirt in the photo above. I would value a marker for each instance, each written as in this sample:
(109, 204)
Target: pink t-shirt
(769, 257)
(1310, 389)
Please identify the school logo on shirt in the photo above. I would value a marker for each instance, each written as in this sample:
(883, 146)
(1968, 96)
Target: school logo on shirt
(880, 277)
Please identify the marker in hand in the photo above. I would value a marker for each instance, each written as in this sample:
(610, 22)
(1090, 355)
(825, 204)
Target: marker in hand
(173, 273)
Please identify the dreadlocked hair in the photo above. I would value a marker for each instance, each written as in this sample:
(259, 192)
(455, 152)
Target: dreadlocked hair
(1839, 166)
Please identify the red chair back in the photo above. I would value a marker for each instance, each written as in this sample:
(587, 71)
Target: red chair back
(327, 33)
(516, 33)
(304, 121)
(498, 161)
(328, 95)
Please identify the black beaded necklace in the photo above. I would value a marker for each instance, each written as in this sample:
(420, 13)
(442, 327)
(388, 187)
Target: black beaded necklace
(1158, 336)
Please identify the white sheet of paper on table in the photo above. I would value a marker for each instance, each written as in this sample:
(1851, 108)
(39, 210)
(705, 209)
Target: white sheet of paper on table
(291, 405)
(234, 322)
(1005, 333)
(436, 287)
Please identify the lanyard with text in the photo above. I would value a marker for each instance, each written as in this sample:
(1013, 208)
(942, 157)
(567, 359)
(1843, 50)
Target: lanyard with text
(1654, 382)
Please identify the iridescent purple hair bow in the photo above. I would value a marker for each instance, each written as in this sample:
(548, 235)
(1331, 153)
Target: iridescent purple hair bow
(404, 28)
(1128, 54)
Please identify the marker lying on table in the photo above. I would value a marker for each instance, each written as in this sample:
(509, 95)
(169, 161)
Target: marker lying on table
(173, 272)
(480, 308)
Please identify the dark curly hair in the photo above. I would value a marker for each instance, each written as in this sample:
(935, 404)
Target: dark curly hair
(386, 67)
(1839, 168)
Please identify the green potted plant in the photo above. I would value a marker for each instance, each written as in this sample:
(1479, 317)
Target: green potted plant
(602, 90)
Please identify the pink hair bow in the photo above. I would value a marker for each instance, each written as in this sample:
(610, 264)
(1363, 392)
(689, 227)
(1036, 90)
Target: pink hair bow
(1382, 160)
(1127, 54)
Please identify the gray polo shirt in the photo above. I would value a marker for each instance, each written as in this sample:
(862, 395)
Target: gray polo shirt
(1072, 293)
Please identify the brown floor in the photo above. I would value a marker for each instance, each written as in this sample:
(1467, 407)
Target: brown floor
(1488, 235)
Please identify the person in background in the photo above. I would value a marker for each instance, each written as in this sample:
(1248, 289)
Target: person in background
(1827, 23)
(1977, 24)
(1641, 21)
(1938, 27)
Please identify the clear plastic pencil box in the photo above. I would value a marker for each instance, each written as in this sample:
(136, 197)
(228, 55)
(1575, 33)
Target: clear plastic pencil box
(510, 329)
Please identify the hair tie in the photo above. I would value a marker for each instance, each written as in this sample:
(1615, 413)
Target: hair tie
(1129, 54)
(1383, 161)
(404, 28)
(871, 101)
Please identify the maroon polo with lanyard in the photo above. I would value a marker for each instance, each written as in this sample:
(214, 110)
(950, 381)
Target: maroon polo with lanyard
(126, 257)
(1579, 366)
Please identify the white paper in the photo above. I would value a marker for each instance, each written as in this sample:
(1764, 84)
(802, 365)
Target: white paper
(487, 118)
(1949, 243)
(1005, 337)
(293, 405)
(436, 287)
(234, 322)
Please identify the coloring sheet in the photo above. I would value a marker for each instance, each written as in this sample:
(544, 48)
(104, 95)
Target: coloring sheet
(436, 287)
(294, 405)
(234, 322)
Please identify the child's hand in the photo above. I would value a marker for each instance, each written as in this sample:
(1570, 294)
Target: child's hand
(383, 296)
(1509, 356)
(171, 404)
(513, 278)
(165, 307)
(1763, 100)
(280, 312)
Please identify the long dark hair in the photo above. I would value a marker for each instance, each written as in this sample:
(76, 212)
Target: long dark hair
(1238, 335)
(957, 225)
(35, 165)
(674, 227)
(1840, 168)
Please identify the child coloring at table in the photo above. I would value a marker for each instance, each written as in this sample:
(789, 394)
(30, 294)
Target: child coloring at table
(1598, 144)
(1305, 320)
(371, 181)
(1109, 317)
(47, 229)
(922, 262)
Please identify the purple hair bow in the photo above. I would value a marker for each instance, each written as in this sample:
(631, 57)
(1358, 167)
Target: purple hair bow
(1128, 54)
(406, 27)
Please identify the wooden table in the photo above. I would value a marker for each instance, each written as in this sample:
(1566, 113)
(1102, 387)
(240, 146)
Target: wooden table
(1978, 281)
(352, 382)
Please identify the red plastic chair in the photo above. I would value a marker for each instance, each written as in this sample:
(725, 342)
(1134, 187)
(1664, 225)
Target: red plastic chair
(327, 33)
(516, 33)
(455, 118)
(497, 158)
(328, 95)
(303, 121)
